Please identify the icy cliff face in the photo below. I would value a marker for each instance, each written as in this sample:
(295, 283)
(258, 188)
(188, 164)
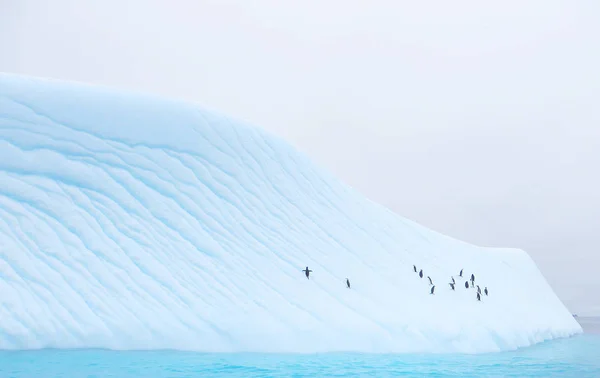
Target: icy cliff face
(132, 222)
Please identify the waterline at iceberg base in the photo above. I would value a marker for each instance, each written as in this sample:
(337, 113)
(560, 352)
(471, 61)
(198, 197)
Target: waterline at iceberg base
(575, 357)
(128, 221)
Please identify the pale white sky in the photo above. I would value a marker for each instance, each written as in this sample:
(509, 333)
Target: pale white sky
(477, 119)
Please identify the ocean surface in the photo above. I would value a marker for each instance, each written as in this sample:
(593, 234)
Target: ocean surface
(574, 357)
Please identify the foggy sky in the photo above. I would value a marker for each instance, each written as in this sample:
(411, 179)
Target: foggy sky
(478, 119)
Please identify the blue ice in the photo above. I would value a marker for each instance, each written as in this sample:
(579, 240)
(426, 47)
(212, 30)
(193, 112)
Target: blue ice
(129, 221)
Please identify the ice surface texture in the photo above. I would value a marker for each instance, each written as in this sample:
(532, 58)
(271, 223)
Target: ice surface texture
(133, 222)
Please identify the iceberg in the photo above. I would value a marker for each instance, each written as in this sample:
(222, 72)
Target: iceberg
(129, 221)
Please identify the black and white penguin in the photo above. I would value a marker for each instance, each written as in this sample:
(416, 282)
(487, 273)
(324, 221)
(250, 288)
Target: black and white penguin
(466, 284)
(421, 273)
(478, 290)
(430, 281)
(307, 272)
(478, 297)
(485, 291)
(348, 283)
(472, 278)
(451, 285)
(454, 282)
(415, 268)
(460, 274)
(432, 289)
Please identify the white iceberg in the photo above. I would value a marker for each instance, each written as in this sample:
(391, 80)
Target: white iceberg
(133, 222)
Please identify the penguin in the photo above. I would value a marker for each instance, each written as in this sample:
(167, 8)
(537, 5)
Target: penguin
(430, 281)
(348, 283)
(460, 274)
(432, 289)
(451, 285)
(415, 268)
(472, 277)
(467, 284)
(454, 282)
(478, 290)
(307, 272)
(478, 297)
(485, 291)
(421, 273)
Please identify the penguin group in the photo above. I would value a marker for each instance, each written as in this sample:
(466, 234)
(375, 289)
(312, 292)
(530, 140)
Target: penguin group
(468, 284)
(471, 284)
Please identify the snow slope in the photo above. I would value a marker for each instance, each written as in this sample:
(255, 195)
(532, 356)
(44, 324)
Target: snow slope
(133, 222)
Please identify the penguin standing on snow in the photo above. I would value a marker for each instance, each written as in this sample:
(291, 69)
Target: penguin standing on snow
(307, 272)
(466, 284)
(454, 282)
(348, 283)
(430, 281)
(485, 291)
(472, 278)
(432, 289)
(421, 273)
(478, 290)
(415, 268)
(478, 297)
(451, 285)
(460, 274)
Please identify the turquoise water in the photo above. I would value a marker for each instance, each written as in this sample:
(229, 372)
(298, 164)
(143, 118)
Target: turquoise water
(575, 357)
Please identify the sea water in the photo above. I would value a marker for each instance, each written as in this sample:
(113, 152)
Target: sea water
(573, 357)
